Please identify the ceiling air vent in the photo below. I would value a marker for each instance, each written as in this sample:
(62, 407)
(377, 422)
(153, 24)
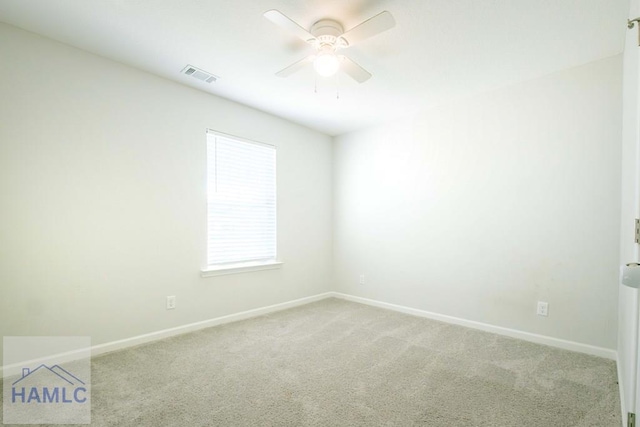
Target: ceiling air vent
(199, 74)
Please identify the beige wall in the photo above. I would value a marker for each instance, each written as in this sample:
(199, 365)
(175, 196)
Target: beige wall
(475, 209)
(102, 183)
(480, 208)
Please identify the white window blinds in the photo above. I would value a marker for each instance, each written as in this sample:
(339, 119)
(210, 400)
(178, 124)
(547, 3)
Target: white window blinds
(241, 184)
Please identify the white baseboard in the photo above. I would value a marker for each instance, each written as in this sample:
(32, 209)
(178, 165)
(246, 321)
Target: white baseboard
(513, 333)
(191, 327)
(16, 368)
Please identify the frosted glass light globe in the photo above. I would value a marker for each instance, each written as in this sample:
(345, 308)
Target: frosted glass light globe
(326, 64)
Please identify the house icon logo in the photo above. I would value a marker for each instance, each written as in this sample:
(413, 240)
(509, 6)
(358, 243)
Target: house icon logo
(48, 380)
(48, 384)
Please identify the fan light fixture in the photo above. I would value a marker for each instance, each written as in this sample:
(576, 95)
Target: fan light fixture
(327, 37)
(326, 64)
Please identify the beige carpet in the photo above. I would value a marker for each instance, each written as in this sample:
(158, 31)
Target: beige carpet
(337, 363)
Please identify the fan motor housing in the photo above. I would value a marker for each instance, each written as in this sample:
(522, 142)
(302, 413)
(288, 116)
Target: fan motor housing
(327, 27)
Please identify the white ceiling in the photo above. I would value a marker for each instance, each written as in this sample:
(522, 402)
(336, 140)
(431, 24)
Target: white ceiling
(438, 50)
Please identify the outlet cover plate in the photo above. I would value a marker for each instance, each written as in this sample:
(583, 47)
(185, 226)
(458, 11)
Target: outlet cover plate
(543, 308)
(171, 302)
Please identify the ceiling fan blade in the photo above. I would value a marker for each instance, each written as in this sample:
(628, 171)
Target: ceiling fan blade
(369, 28)
(353, 70)
(286, 72)
(288, 24)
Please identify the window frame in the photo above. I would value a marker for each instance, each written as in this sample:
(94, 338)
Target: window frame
(211, 270)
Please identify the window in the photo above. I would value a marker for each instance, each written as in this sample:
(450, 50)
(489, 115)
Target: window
(241, 204)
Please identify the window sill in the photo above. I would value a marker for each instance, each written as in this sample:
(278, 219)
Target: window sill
(244, 267)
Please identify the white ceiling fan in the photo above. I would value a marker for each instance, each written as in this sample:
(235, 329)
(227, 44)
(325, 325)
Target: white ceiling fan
(327, 36)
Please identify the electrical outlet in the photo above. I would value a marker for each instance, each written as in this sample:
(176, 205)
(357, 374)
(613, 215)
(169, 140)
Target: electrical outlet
(361, 281)
(171, 302)
(543, 308)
